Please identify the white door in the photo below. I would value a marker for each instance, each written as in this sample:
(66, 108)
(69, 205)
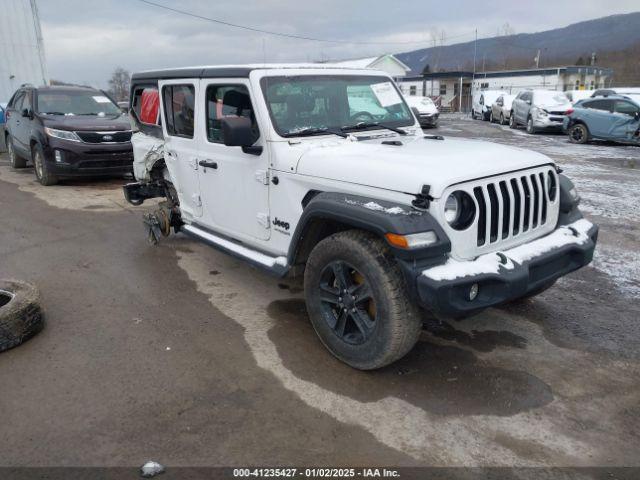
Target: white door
(234, 185)
(180, 127)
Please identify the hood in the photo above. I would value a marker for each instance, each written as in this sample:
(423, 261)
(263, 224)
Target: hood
(418, 161)
(87, 123)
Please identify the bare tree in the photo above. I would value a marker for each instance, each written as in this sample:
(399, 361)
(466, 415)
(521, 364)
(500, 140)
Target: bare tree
(119, 84)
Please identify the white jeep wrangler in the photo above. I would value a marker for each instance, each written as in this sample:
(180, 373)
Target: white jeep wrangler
(325, 172)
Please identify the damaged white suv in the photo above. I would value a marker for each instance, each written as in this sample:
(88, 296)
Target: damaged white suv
(325, 172)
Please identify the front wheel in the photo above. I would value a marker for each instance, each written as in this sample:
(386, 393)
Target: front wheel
(530, 128)
(512, 121)
(579, 133)
(14, 160)
(502, 119)
(491, 119)
(43, 174)
(357, 301)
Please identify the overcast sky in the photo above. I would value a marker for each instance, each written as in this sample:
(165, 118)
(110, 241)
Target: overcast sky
(86, 39)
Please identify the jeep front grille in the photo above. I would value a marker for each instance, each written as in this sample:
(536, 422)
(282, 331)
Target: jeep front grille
(510, 209)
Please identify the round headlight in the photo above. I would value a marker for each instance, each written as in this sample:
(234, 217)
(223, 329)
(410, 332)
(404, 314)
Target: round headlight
(452, 208)
(552, 186)
(459, 210)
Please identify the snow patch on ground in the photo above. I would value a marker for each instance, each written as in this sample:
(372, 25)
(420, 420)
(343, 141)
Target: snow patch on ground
(623, 266)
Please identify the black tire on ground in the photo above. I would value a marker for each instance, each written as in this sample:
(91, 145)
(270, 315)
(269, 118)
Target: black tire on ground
(20, 313)
(355, 269)
(579, 133)
(530, 128)
(473, 114)
(491, 119)
(44, 176)
(15, 160)
(512, 121)
(501, 118)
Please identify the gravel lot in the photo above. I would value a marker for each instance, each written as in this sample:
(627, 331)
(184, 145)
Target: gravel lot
(184, 355)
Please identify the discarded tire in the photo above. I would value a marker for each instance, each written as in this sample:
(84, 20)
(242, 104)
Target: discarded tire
(20, 313)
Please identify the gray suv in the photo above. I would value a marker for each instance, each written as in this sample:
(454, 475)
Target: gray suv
(539, 110)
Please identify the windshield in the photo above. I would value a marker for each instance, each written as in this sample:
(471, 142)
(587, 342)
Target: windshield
(309, 104)
(544, 97)
(67, 102)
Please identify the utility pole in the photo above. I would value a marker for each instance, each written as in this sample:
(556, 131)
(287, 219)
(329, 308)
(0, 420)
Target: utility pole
(537, 59)
(475, 52)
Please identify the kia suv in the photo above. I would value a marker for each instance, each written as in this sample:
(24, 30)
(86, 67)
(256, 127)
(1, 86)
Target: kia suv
(67, 132)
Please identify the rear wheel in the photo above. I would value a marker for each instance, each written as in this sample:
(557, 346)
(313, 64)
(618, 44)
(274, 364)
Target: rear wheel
(358, 302)
(44, 176)
(579, 133)
(14, 159)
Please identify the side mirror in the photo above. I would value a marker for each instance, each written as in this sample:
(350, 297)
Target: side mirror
(238, 132)
(27, 113)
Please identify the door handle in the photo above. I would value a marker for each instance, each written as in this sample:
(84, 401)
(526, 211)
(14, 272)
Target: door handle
(208, 164)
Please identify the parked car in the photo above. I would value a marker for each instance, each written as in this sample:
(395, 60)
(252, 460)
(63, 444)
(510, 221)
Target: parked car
(539, 110)
(271, 164)
(577, 95)
(501, 109)
(3, 107)
(427, 112)
(482, 101)
(604, 92)
(615, 118)
(67, 132)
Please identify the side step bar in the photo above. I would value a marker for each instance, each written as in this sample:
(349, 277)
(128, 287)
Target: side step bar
(274, 265)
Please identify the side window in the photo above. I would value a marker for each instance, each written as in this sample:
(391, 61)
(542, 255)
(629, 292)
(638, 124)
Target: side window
(17, 101)
(146, 105)
(227, 101)
(527, 96)
(627, 108)
(604, 105)
(179, 101)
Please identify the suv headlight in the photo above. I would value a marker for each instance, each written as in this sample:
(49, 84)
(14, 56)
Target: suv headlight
(459, 210)
(539, 112)
(62, 134)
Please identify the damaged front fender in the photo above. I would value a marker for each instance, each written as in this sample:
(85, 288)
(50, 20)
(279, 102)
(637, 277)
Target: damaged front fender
(147, 151)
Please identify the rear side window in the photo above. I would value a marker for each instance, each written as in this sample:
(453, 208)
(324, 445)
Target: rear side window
(179, 104)
(604, 105)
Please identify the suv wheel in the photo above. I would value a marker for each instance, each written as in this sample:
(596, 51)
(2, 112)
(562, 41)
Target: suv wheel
(530, 128)
(491, 119)
(14, 159)
(357, 301)
(501, 118)
(579, 133)
(512, 121)
(44, 176)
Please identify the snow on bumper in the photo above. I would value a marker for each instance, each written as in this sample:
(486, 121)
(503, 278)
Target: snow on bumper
(509, 274)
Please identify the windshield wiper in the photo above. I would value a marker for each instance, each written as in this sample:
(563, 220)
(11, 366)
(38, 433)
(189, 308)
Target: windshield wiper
(305, 132)
(365, 125)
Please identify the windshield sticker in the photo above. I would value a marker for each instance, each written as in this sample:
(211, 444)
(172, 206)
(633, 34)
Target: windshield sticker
(386, 94)
(101, 99)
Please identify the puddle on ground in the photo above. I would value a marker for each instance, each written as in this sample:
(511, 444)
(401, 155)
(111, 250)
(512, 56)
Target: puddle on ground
(480, 340)
(444, 380)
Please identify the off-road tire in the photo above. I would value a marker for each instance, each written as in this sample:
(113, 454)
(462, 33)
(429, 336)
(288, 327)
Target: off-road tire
(15, 160)
(44, 176)
(513, 124)
(20, 313)
(579, 133)
(397, 321)
(530, 128)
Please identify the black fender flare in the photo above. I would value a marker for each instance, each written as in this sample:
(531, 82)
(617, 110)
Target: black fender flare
(377, 216)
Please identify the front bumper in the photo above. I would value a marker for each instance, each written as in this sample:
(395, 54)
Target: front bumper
(507, 275)
(551, 122)
(428, 120)
(84, 159)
